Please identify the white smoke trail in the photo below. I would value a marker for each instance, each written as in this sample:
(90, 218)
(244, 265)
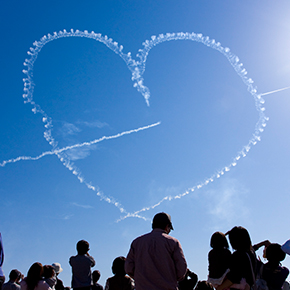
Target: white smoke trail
(138, 68)
(57, 151)
(276, 91)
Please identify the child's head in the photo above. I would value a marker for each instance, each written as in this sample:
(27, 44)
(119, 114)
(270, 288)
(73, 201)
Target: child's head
(274, 253)
(219, 241)
(118, 267)
(203, 285)
(96, 276)
(240, 239)
(15, 275)
(83, 247)
(48, 271)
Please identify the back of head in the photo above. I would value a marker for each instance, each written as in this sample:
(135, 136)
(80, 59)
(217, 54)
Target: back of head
(275, 254)
(15, 275)
(48, 271)
(83, 247)
(118, 267)
(161, 220)
(96, 276)
(219, 241)
(240, 239)
(34, 275)
(203, 285)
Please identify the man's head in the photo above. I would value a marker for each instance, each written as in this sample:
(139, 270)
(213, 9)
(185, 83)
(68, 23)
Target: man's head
(162, 220)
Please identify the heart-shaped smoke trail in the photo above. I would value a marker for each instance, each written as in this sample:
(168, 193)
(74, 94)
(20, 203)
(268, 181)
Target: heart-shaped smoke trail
(137, 68)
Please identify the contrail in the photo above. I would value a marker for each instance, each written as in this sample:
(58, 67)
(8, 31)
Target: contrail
(137, 67)
(272, 92)
(57, 151)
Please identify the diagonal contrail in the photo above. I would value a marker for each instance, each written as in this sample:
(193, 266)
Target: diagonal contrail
(57, 151)
(272, 92)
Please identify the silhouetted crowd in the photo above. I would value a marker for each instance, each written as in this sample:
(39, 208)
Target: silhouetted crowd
(156, 261)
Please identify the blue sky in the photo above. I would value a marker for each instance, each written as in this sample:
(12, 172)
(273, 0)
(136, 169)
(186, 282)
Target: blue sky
(201, 113)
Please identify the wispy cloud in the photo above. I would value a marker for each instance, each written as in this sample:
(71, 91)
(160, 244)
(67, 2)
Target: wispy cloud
(81, 205)
(93, 124)
(79, 153)
(67, 217)
(225, 204)
(69, 129)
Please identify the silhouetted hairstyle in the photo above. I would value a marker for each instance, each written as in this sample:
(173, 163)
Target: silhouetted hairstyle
(118, 267)
(240, 239)
(48, 271)
(275, 254)
(96, 276)
(219, 241)
(82, 247)
(34, 275)
(15, 275)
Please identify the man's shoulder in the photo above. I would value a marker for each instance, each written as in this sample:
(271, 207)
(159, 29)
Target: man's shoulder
(155, 234)
(72, 258)
(142, 237)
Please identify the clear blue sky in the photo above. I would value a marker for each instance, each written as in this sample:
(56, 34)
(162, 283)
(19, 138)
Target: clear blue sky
(206, 117)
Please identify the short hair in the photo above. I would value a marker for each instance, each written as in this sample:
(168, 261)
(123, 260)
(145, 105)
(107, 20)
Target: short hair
(118, 267)
(14, 275)
(203, 285)
(240, 239)
(82, 247)
(96, 276)
(48, 271)
(274, 253)
(219, 241)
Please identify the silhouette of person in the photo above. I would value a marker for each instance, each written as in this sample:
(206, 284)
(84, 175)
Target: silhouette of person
(120, 281)
(81, 267)
(156, 260)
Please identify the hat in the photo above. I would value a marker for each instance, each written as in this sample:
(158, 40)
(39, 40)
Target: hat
(286, 247)
(57, 267)
(161, 220)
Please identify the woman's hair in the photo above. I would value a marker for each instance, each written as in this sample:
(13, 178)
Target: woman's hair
(34, 275)
(274, 254)
(82, 247)
(48, 271)
(240, 239)
(219, 241)
(118, 267)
